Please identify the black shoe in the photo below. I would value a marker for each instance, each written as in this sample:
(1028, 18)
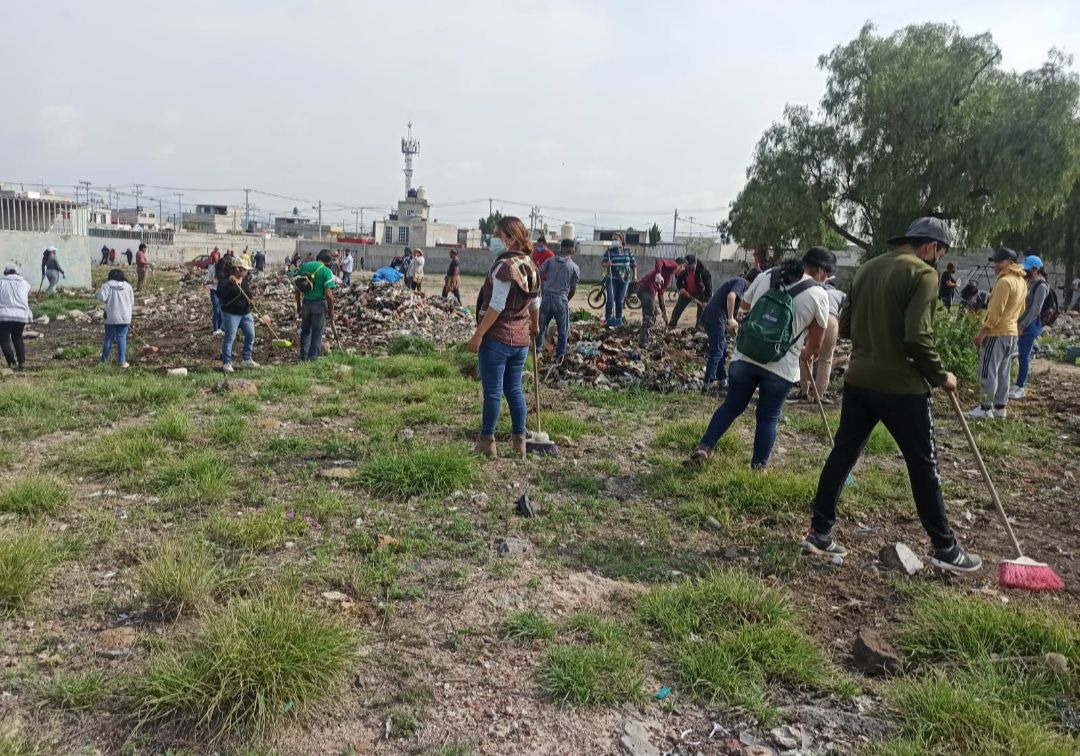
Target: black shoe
(955, 560)
(825, 545)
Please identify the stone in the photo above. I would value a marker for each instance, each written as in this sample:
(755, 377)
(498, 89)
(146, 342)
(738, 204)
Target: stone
(42, 320)
(872, 654)
(336, 472)
(180, 372)
(843, 726)
(405, 434)
(635, 740)
(238, 386)
(6, 372)
(78, 316)
(788, 737)
(731, 552)
(512, 547)
(116, 642)
(713, 524)
(334, 596)
(899, 557)
(479, 500)
(32, 334)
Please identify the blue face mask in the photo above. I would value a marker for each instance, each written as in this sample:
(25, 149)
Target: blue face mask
(497, 245)
(614, 243)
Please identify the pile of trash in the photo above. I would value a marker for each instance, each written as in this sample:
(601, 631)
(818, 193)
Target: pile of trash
(1067, 327)
(370, 316)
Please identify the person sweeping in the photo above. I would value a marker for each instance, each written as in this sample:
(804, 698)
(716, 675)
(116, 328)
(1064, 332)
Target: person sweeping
(889, 317)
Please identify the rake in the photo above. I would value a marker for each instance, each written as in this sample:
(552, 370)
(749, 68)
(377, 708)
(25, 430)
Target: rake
(824, 417)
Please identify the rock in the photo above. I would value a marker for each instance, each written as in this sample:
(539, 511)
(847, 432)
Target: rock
(334, 596)
(342, 369)
(842, 726)
(512, 547)
(6, 372)
(32, 334)
(78, 316)
(757, 750)
(180, 372)
(788, 738)
(8, 517)
(336, 472)
(116, 642)
(479, 500)
(385, 542)
(872, 654)
(42, 320)
(713, 524)
(635, 740)
(238, 386)
(622, 487)
(1057, 664)
(405, 434)
(899, 557)
(731, 552)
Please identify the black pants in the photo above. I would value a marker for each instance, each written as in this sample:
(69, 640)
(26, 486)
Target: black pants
(11, 342)
(682, 305)
(910, 420)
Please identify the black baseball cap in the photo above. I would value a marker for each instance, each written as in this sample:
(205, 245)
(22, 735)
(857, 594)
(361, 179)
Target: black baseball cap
(933, 229)
(1004, 254)
(820, 258)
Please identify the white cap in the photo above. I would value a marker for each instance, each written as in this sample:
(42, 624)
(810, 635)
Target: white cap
(50, 248)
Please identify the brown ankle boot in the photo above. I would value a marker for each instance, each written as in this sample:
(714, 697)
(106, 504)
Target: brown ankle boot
(486, 445)
(519, 445)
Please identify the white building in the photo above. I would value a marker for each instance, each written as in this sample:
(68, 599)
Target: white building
(142, 217)
(214, 219)
(412, 225)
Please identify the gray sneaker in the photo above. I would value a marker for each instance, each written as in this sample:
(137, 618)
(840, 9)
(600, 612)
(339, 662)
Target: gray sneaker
(249, 364)
(227, 368)
(823, 544)
(955, 560)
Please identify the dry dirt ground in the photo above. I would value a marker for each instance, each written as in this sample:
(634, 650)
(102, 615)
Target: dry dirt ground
(434, 671)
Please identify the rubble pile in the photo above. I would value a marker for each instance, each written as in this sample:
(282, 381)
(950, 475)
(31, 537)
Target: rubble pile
(1066, 327)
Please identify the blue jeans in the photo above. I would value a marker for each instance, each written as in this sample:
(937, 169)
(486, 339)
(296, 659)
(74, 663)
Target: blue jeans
(714, 363)
(118, 334)
(554, 308)
(232, 323)
(743, 379)
(613, 304)
(216, 304)
(312, 323)
(500, 373)
(346, 278)
(1024, 346)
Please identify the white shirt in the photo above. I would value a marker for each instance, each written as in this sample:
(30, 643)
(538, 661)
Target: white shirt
(347, 264)
(811, 306)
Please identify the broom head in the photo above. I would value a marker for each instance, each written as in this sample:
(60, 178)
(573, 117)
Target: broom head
(1028, 575)
(149, 349)
(282, 343)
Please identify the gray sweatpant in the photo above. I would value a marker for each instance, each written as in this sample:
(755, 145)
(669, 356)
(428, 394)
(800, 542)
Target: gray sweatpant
(995, 359)
(312, 322)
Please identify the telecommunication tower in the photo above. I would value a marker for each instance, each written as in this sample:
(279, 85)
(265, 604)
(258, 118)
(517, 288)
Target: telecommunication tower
(409, 148)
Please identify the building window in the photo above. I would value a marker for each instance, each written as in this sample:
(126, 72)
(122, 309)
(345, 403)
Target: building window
(388, 235)
(403, 235)
(409, 213)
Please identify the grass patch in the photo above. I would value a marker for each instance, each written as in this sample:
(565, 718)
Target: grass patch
(256, 530)
(600, 675)
(246, 668)
(200, 478)
(881, 441)
(75, 691)
(434, 471)
(646, 560)
(722, 489)
(291, 445)
(178, 576)
(77, 352)
(172, 425)
(423, 414)
(33, 496)
(61, 303)
(731, 636)
(27, 558)
(284, 383)
(685, 434)
(629, 402)
(415, 368)
(557, 424)
(228, 430)
(118, 454)
(13, 742)
(412, 345)
(31, 409)
(528, 626)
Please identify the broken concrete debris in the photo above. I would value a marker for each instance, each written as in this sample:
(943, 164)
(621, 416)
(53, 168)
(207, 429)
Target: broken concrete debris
(872, 654)
(900, 557)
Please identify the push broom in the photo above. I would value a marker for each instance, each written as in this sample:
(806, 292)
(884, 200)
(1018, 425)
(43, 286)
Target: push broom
(538, 442)
(1023, 573)
(278, 342)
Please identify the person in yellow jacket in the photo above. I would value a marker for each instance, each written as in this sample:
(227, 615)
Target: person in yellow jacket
(998, 337)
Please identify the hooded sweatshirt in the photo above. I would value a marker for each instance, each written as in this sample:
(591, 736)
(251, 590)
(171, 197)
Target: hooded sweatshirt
(15, 299)
(1006, 303)
(119, 299)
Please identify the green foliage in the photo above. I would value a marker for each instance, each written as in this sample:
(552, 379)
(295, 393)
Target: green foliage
(654, 235)
(76, 691)
(27, 558)
(487, 225)
(33, 496)
(245, 668)
(434, 471)
(200, 478)
(409, 344)
(955, 340)
(528, 626)
(173, 425)
(178, 576)
(922, 122)
(256, 530)
(15, 742)
(77, 352)
(119, 453)
(600, 675)
(228, 430)
(60, 303)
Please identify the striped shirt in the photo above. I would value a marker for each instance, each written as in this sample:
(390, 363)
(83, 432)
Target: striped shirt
(622, 262)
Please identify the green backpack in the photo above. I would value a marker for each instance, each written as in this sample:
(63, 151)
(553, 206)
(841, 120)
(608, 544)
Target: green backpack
(767, 333)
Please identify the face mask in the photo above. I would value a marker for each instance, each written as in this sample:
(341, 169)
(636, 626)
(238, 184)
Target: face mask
(497, 245)
(614, 244)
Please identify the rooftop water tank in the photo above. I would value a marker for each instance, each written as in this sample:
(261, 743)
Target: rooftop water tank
(421, 194)
(566, 231)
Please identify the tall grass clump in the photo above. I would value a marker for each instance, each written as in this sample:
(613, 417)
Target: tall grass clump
(33, 496)
(602, 666)
(27, 559)
(200, 478)
(434, 471)
(75, 691)
(178, 576)
(245, 669)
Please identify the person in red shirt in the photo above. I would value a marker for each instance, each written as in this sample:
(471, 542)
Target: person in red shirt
(214, 256)
(540, 253)
(142, 264)
(650, 292)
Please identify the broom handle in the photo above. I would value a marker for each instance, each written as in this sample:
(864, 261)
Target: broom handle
(262, 318)
(985, 472)
(536, 383)
(817, 398)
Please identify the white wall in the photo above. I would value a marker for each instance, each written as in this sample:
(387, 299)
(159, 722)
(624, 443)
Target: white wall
(23, 250)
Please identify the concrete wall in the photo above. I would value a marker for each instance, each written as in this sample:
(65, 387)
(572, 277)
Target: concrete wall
(23, 250)
(187, 246)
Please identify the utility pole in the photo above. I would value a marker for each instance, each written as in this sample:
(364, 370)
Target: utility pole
(356, 221)
(674, 226)
(247, 208)
(490, 211)
(87, 185)
(319, 208)
(138, 191)
(179, 211)
(160, 212)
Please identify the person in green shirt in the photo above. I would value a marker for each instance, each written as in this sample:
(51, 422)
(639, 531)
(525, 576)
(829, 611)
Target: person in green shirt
(314, 303)
(889, 317)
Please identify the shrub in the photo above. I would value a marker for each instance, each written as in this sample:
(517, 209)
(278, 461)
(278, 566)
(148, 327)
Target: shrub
(201, 478)
(33, 496)
(592, 675)
(172, 425)
(409, 344)
(26, 560)
(245, 668)
(955, 339)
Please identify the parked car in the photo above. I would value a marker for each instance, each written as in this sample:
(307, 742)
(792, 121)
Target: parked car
(202, 262)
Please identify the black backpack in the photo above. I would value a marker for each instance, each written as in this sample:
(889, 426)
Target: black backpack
(1050, 309)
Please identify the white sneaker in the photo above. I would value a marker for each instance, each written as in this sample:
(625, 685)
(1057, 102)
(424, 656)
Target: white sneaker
(1016, 393)
(124, 365)
(249, 364)
(980, 414)
(227, 368)
(999, 414)
(218, 332)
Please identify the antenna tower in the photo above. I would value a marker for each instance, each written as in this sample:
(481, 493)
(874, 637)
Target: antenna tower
(409, 148)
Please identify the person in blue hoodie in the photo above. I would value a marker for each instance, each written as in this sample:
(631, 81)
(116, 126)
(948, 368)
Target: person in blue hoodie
(119, 299)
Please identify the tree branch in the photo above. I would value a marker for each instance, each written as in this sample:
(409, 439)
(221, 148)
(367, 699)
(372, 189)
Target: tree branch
(831, 223)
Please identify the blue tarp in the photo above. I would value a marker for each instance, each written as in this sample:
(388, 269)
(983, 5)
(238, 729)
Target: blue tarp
(386, 275)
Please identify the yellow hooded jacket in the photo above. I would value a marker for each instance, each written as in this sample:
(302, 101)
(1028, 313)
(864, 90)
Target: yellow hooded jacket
(1007, 302)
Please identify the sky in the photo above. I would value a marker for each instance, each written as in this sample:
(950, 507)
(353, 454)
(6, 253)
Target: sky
(605, 112)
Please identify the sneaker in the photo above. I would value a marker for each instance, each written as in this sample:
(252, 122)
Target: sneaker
(697, 459)
(798, 396)
(227, 368)
(249, 364)
(955, 560)
(218, 332)
(124, 365)
(980, 413)
(999, 414)
(1016, 392)
(823, 544)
